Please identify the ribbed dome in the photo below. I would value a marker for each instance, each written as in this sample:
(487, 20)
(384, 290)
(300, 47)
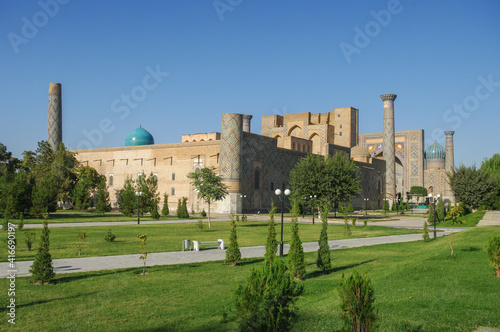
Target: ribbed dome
(139, 136)
(359, 151)
(435, 151)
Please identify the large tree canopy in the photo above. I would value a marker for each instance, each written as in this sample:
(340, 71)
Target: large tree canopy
(332, 179)
(492, 166)
(471, 186)
(208, 185)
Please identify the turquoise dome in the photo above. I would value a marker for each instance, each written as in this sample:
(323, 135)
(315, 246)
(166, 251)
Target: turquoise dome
(435, 152)
(139, 136)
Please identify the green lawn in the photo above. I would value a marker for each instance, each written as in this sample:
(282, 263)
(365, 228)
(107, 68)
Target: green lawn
(418, 287)
(469, 220)
(168, 237)
(76, 216)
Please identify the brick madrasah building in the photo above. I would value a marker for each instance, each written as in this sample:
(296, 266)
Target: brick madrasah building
(253, 166)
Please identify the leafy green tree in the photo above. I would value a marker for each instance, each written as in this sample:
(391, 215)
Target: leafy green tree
(87, 182)
(209, 186)
(103, 204)
(164, 210)
(266, 302)
(332, 179)
(44, 196)
(271, 243)
(42, 271)
(127, 199)
(63, 170)
(233, 254)
(492, 166)
(150, 198)
(473, 187)
(418, 191)
(323, 262)
(440, 212)
(296, 260)
(357, 302)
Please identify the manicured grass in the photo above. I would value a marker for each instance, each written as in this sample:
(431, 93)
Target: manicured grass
(74, 217)
(469, 220)
(418, 287)
(168, 237)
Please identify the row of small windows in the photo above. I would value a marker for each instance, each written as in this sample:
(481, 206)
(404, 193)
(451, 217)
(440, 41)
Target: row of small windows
(111, 178)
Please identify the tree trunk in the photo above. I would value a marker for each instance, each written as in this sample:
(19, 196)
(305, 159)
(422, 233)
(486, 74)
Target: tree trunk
(450, 240)
(209, 214)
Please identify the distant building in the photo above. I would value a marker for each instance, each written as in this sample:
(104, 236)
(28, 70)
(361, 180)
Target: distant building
(253, 166)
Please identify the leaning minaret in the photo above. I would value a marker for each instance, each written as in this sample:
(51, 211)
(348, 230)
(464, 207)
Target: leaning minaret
(389, 146)
(54, 134)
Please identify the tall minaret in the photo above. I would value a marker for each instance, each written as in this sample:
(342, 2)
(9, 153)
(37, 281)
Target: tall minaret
(54, 134)
(450, 160)
(389, 147)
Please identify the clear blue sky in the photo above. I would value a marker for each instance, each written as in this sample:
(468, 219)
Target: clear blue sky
(442, 59)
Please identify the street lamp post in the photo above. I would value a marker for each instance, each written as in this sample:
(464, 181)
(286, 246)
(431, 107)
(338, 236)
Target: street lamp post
(138, 194)
(313, 203)
(366, 205)
(434, 206)
(281, 195)
(242, 210)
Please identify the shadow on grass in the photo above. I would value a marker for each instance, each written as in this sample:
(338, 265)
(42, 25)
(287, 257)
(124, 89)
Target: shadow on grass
(471, 249)
(250, 261)
(264, 224)
(90, 275)
(315, 274)
(51, 300)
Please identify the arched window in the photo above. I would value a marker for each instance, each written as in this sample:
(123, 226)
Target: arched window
(257, 179)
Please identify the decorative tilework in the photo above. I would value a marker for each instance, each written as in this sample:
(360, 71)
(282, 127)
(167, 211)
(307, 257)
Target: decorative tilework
(230, 149)
(54, 132)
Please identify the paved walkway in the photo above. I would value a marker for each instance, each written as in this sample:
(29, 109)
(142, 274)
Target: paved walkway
(86, 264)
(491, 218)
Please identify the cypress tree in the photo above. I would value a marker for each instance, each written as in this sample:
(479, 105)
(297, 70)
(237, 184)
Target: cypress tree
(154, 211)
(179, 209)
(350, 208)
(233, 254)
(425, 236)
(103, 204)
(185, 213)
(164, 210)
(296, 261)
(431, 215)
(323, 261)
(272, 243)
(42, 270)
(440, 213)
(385, 207)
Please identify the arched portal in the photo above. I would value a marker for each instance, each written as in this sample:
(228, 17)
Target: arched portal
(296, 131)
(316, 143)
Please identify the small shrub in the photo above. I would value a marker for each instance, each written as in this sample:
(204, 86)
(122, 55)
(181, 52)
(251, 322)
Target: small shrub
(203, 213)
(493, 251)
(357, 302)
(244, 219)
(164, 210)
(266, 302)
(323, 261)
(237, 218)
(42, 271)
(110, 237)
(154, 212)
(29, 238)
(353, 220)
(200, 224)
(348, 231)
(425, 236)
(365, 222)
(81, 237)
(144, 252)
(233, 254)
